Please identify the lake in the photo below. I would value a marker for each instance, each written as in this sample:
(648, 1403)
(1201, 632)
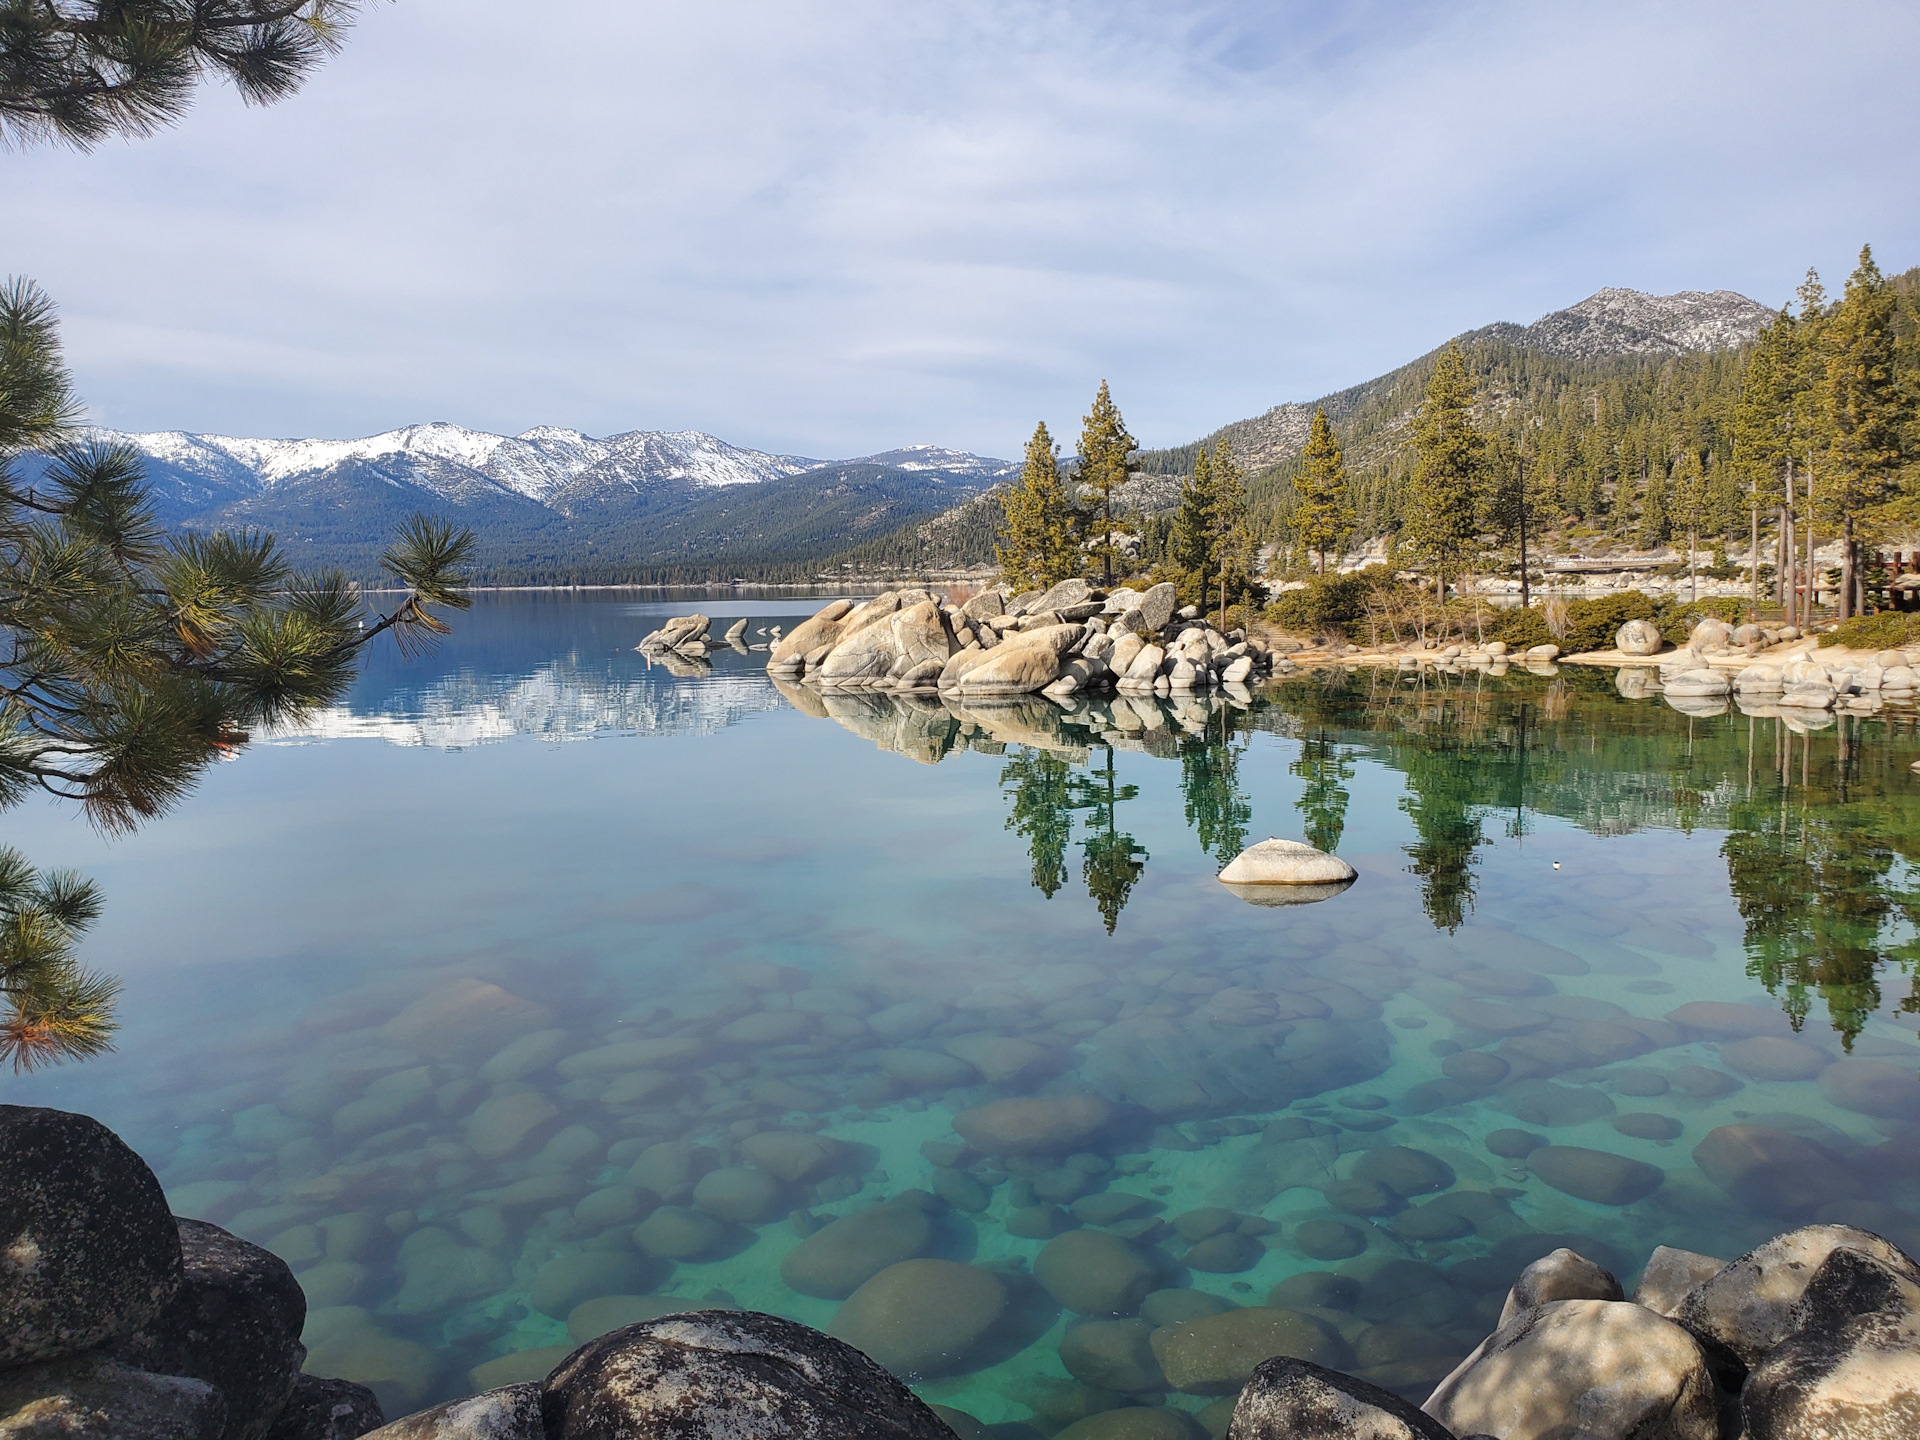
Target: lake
(501, 1040)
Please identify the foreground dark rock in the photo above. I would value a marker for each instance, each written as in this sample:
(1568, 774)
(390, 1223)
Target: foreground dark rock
(88, 1250)
(716, 1374)
(320, 1409)
(90, 1397)
(510, 1413)
(235, 1323)
(1289, 1399)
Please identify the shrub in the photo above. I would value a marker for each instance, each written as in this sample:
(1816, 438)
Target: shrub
(1676, 622)
(1329, 601)
(1888, 631)
(1521, 628)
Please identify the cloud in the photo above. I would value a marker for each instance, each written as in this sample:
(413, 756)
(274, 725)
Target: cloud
(828, 228)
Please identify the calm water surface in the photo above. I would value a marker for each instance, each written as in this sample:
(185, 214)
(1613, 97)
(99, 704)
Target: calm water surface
(476, 1026)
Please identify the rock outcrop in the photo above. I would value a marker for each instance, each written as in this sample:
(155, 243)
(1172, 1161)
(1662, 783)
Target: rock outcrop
(688, 636)
(1069, 640)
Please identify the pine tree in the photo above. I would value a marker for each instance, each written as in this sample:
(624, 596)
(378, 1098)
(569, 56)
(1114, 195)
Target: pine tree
(1037, 546)
(1233, 537)
(1656, 519)
(1690, 508)
(130, 661)
(1190, 544)
(1322, 513)
(1112, 860)
(1443, 522)
(1866, 412)
(79, 71)
(1043, 804)
(1105, 452)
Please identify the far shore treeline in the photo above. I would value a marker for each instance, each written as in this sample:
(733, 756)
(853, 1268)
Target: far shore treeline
(1774, 451)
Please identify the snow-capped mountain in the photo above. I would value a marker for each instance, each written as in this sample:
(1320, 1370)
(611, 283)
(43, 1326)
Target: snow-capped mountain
(551, 504)
(541, 464)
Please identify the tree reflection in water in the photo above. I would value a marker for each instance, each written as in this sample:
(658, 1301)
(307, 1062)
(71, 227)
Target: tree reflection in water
(1821, 827)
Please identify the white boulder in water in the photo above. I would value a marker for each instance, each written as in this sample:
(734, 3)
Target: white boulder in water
(1286, 872)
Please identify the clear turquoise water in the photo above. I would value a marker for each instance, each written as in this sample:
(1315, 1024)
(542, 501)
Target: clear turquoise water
(308, 945)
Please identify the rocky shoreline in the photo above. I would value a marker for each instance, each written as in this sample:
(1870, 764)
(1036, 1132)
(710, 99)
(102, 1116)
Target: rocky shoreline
(119, 1320)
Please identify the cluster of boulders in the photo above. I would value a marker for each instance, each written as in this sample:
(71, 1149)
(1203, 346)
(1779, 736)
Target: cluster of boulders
(1705, 670)
(1492, 655)
(1071, 638)
(1815, 1335)
(119, 1320)
(690, 637)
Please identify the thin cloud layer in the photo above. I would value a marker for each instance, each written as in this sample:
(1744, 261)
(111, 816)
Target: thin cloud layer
(830, 228)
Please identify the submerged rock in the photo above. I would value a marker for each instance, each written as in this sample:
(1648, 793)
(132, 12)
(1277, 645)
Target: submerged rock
(1035, 1124)
(1091, 1272)
(1596, 1175)
(713, 1374)
(1215, 1354)
(922, 1318)
(842, 1256)
(88, 1250)
(1113, 1355)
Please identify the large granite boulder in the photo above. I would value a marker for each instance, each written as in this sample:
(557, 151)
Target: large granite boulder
(90, 1397)
(1292, 1399)
(1602, 1369)
(1286, 862)
(235, 1323)
(88, 1250)
(1024, 662)
(1749, 1306)
(721, 1374)
(1670, 1274)
(902, 642)
(808, 636)
(1638, 637)
(1856, 1381)
(1560, 1275)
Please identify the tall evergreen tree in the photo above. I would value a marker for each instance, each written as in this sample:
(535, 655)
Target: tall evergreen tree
(1106, 450)
(1037, 546)
(1191, 551)
(1866, 412)
(79, 71)
(1216, 802)
(1233, 537)
(1443, 523)
(1322, 513)
(130, 661)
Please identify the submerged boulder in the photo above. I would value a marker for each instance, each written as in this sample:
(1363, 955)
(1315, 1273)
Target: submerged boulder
(922, 1318)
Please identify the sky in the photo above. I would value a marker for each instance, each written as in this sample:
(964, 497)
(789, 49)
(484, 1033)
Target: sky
(831, 227)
